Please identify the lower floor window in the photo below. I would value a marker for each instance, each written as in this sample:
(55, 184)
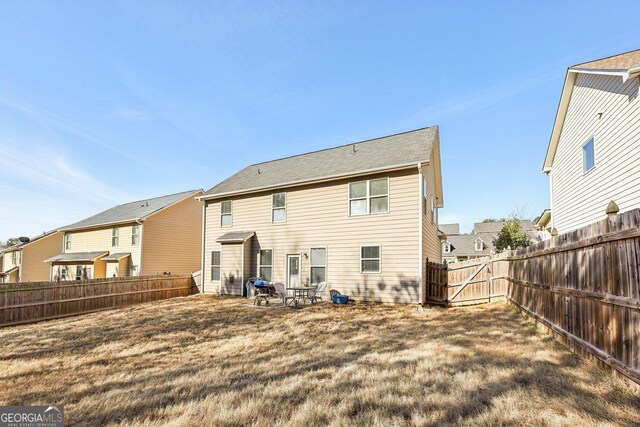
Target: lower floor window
(318, 263)
(370, 259)
(83, 272)
(63, 273)
(134, 270)
(215, 265)
(266, 264)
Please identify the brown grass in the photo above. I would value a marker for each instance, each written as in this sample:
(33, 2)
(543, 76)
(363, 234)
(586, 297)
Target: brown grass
(210, 361)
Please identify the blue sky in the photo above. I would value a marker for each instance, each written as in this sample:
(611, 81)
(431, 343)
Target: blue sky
(107, 102)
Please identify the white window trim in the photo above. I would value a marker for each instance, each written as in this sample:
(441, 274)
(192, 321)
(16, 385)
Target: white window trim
(273, 221)
(133, 234)
(326, 262)
(115, 236)
(67, 241)
(584, 157)
(366, 259)
(137, 268)
(211, 265)
(260, 261)
(476, 244)
(446, 248)
(368, 197)
(230, 214)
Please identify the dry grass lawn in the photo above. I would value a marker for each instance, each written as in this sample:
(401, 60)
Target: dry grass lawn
(210, 361)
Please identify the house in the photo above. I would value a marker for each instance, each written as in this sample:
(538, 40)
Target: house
(24, 260)
(461, 247)
(593, 153)
(141, 238)
(362, 217)
(543, 225)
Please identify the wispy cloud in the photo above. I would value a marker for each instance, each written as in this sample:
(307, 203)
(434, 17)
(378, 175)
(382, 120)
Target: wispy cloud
(130, 115)
(483, 98)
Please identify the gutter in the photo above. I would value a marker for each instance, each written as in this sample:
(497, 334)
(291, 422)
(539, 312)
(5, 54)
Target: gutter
(310, 181)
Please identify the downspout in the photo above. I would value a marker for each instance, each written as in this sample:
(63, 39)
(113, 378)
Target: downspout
(20, 269)
(141, 243)
(420, 231)
(242, 271)
(202, 236)
(550, 173)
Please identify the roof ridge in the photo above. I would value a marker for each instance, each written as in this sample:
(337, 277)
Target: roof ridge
(343, 145)
(153, 198)
(603, 58)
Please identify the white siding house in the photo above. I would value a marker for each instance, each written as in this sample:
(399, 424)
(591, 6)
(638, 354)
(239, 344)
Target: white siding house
(594, 152)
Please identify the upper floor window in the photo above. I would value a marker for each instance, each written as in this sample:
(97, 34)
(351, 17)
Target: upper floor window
(266, 264)
(369, 197)
(226, 217)
(67, 241)
(588, 156)
(135, 235)
(424, 196)
(279, 207)
(433, 211)
(14, 258)
(446, 247)
(115, 236)
(479, 245)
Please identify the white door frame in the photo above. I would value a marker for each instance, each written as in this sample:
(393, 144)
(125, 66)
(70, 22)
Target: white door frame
(299, 256)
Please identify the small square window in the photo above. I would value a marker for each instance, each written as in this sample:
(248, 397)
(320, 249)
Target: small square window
(588, 156)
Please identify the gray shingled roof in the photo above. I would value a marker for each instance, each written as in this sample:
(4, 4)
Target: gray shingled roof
(449, 229)
(116, 257)
(130, 212)
(623, 61)
(235, 237)
(375, 154)
(77, 256)
(464, 245)
(34, 239)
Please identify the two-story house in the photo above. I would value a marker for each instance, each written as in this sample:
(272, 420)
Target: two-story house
(462, 247)
(594, 151)
(362, 217)
(24, 260)
(145, 237)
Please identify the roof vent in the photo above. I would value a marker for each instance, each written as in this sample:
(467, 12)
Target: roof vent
(259, 171)
(354, 148)
(24, 239)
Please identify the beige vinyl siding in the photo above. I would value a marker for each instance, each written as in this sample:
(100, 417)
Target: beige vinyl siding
(118, 268)
(318, 216)
(100, 240)
(34, 269)
(579, 199)
(172, 239)
(8, 262)
(431, 244)
(231, 269)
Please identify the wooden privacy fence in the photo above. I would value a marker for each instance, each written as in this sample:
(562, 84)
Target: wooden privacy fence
(583, 286)
(31, 302)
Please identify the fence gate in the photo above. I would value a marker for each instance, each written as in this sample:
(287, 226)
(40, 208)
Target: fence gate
(462, 283)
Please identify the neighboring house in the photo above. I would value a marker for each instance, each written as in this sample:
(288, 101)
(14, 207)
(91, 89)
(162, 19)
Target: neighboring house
(543, 225)
(146, 237)
(363, 217)
(461, 247)
(593, 154)
(24, 260)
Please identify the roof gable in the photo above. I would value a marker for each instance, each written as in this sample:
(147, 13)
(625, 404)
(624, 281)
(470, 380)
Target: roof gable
(625, 66)
(394, 151)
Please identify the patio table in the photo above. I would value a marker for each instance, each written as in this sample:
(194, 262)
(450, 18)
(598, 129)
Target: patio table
(300, 292)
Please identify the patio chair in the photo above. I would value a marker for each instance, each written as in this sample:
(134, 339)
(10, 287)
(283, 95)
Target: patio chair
(282, 293)
(316, 294)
